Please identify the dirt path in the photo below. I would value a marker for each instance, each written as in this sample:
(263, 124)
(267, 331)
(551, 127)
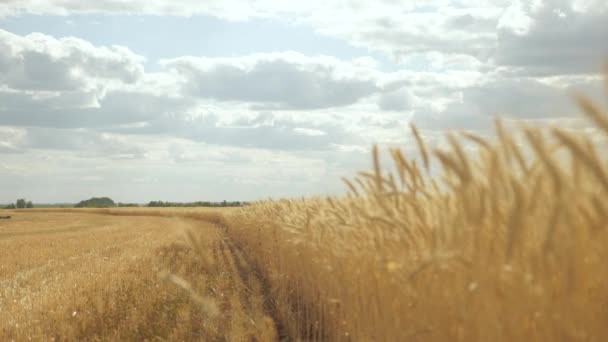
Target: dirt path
(87, 276)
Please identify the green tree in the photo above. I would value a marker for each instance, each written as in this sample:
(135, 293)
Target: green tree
(11, 206)
(96, 202)
(29, 204)
(20, 203)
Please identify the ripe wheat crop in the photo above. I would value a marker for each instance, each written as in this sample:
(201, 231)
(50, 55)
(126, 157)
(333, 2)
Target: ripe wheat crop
(508, 243)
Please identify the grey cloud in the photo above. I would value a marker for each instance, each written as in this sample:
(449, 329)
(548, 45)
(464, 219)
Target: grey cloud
(521, 98)
(515, 98)
(115, 108)
(401, 43)
(5, 148)
(273, 134)
(469, 21)
(43, 63)
(137, 112)
(31, 70)
(397, 100)
(87, 143)
(458, 116)
(558, 41)
(400, 32)
(274, 81)
(380, 121)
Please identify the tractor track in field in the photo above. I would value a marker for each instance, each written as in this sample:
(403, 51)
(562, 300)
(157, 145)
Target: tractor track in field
(245, 284)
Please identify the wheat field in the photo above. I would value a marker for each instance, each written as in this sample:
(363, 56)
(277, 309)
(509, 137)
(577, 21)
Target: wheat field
(505, 244)
(505, 241)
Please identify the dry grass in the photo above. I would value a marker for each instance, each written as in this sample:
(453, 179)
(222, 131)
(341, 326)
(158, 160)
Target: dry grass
(508, 244)
(75, 276)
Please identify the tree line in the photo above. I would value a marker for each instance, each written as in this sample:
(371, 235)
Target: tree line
(161, 204)
(106, 202)
(20, 204)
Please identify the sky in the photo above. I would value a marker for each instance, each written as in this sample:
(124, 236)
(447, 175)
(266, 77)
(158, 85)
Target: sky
(185, 100)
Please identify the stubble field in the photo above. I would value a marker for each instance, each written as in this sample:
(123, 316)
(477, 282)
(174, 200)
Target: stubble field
(106, 277)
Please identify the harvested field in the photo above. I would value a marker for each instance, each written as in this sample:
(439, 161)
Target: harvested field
(101, 277)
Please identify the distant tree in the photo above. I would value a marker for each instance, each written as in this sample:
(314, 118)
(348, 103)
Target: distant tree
(29, 204)
(11, 206)
(96, 202)
(128, 205)
(156, 204)
(21, 203)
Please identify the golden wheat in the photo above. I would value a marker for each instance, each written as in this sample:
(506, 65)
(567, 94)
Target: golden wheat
(506, 245)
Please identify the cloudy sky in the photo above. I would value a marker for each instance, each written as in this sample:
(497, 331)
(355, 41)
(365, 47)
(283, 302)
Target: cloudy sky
(211, 100)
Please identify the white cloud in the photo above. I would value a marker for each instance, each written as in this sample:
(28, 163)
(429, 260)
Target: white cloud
(233, 10)
(510, 33)
(38, 62)
(309, 131)
(515, 20)
(11, 139)
(283, 122)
